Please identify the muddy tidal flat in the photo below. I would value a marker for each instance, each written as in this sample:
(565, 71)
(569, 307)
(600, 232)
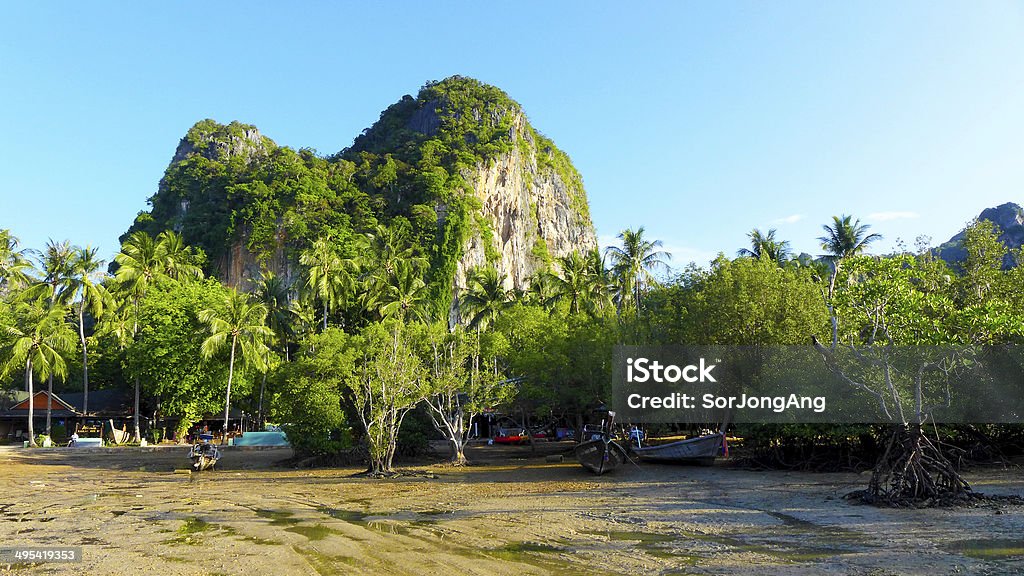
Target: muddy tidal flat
(513, 513)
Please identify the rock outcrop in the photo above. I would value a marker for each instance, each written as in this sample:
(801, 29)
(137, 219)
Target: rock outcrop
(1009, 217)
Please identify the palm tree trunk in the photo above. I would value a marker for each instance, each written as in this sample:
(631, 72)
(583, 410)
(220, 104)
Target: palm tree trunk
(135, 414)
(227, 400)
(259, 409)
(138, 384)
(325, 315)
(31, 405)
(49, 403)
(85, 360)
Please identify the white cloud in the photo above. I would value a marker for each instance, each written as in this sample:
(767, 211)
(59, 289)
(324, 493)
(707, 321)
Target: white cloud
(886, 216)
(791, 219)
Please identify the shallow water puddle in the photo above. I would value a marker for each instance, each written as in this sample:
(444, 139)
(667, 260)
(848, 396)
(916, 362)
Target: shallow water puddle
(988, 549)
(315, 532)
(536, 554)
(661, 546)
(346, 515)
(651, 543)
(277, 517)
(519, 547)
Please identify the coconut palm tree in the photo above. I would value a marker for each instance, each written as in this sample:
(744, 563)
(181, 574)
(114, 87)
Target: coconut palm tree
(178, 259)
(765, 245)
(89, 294)
(276, 294)
(843, 238)
(119, 322)
(390, 245)
(392, 267)
(40, 339)
(485, 297)
(329, 277)
(142, 262)
(139, 262)
(305, 315)
(602, 289)
(543, 290)
(58, 267)
(240, 324)
(140, 265)
(575, 283)
(633, 265)
(14, 264)
(54, 289)
(402, 294)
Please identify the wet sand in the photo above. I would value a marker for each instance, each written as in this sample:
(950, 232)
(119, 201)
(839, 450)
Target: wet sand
(513, 514)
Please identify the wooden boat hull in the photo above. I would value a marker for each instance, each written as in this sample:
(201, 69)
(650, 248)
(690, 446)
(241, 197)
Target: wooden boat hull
(600, 455)
(701, 450)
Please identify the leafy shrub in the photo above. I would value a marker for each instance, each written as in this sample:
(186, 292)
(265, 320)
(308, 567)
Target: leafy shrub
(311, 415)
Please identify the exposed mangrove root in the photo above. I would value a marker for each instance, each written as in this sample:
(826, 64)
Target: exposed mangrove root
(381, 475)
(914, 472)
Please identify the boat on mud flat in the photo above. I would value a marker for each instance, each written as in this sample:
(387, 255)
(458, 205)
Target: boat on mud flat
(700, 450)
(204, 455)
(600, 455)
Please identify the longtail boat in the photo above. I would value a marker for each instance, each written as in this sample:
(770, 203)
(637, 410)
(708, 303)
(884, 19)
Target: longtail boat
(601, 454)
(701, 450)
(203, 454)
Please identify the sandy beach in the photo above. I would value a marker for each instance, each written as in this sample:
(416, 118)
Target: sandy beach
(512, 513)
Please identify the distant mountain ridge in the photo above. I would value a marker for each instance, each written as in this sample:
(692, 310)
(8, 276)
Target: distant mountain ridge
(1009, 217)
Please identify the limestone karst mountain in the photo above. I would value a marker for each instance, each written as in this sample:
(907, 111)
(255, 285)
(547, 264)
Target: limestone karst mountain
(458, 168)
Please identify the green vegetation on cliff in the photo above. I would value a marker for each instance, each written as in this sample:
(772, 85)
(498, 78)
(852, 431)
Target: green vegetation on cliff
(230, 186)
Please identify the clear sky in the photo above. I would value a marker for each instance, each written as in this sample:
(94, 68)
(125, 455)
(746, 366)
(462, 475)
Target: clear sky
(697, 120)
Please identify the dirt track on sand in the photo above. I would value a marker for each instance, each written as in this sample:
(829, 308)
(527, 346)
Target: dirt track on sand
(514, 514)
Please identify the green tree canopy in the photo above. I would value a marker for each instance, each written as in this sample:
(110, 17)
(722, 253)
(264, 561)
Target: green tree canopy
(166, 354)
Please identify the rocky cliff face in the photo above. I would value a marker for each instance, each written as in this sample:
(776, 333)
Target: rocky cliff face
(532, 215)
(532, 207)
(1009, 217)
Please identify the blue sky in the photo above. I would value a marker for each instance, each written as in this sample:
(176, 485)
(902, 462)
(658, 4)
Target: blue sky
(698, 121)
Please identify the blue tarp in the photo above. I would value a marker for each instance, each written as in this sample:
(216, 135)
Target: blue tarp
(261, 439)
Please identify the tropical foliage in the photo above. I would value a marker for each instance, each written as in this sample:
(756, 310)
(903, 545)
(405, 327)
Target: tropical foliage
(372, 319)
